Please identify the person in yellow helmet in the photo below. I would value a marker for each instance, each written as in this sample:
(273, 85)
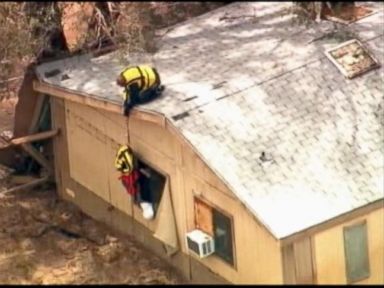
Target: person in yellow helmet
(125, 163)
(135, 177)
(141, 84)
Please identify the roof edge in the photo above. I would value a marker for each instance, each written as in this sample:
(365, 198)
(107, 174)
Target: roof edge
(238, 197)
(342, 218)
(89, 100)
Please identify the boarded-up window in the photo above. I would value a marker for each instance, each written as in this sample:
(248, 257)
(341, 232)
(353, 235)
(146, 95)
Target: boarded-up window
(203, 217)
(356, 252)
(219, 226)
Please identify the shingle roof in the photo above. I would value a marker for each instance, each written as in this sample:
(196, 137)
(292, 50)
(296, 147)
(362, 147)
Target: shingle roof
(259, 84)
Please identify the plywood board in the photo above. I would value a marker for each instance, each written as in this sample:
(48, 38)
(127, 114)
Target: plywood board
(329, 248)
(203, 217)
(154, 135)
(195, 166)
(150, 153)
(251, 241)
(25, 108)
(87, 149)
(178, 200)
(116, 127)
(289, 264)
(60, 145)
(202, 275)
(158, 162)
(303, 261)
(166, 229)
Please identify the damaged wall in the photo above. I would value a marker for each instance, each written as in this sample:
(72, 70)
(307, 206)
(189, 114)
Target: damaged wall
(24, 113)
(161, 148)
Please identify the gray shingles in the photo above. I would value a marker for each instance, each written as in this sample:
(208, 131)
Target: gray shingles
(282, 97)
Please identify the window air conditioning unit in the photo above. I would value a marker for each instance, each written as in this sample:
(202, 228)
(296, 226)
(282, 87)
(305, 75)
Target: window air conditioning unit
(200, 243)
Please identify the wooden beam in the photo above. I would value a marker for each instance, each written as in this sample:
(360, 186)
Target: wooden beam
(26, 186)
(36, 113)
(31, 138)
(22, 179)
(35, 154)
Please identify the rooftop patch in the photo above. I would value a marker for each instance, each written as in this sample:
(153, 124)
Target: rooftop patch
(352, 58)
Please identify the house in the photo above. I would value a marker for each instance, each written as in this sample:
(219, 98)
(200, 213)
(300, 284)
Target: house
(258, 141)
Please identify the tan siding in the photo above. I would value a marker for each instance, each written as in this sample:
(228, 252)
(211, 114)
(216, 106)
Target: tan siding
(289, 265)
(193, 165)
(303, 261)
(59, 144)
(329, 249)
(153, 135)
(87, 149)
(160, 150)
(257, 253)
(191, 177)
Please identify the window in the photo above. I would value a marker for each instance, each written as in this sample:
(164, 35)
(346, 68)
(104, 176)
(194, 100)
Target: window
(218, 225)
(356, 252)
(152, 187)
(223, 236)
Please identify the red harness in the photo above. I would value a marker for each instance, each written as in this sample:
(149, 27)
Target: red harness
(130, 182)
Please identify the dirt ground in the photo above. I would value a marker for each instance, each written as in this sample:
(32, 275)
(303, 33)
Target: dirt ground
(44, 240)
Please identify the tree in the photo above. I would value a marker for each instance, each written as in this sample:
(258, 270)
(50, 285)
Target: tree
(316, 10)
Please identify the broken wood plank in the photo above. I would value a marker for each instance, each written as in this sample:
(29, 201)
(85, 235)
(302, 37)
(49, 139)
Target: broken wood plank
(26, 186)
(22, 179)
(36, 113)
(35, 154)
(31, 138)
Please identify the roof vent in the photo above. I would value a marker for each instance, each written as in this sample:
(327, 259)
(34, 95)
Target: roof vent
(352, 58)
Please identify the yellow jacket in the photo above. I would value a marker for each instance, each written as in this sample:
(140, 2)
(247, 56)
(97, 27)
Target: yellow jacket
(144, 76)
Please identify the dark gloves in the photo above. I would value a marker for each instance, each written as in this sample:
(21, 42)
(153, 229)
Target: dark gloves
(127, 107)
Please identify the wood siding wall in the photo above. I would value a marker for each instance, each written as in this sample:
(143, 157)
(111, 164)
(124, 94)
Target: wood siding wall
(90, 145)
(330, 255)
